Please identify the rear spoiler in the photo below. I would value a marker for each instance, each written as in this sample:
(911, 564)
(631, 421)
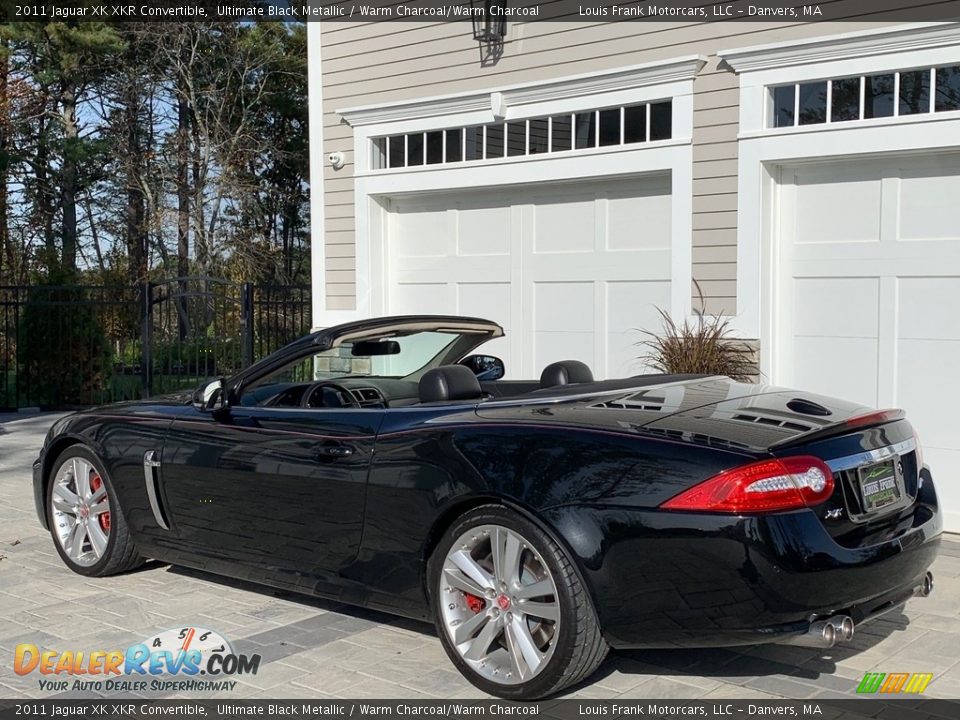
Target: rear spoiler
(867, 419)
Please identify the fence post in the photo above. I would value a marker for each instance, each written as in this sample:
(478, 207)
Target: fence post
(146, 337)
(246, 321)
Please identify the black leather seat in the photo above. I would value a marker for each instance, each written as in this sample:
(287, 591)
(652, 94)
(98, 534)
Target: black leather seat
(449, 383)
(565, 372)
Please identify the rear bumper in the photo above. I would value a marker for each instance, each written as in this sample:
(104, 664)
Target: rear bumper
(663, 579)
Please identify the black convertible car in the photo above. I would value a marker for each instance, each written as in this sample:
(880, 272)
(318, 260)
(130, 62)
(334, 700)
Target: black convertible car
(536, 523)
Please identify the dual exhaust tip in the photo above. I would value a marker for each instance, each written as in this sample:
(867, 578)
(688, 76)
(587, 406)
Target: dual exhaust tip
(840, 628)
(825, 633)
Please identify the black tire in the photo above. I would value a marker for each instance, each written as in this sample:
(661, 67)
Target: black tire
(120, 554)
(580, 647)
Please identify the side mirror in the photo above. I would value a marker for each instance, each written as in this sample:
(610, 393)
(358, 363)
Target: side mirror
(485, 367)
(211, 396)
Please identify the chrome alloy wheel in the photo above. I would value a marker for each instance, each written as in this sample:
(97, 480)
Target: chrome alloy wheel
(499, 604)
(81, 511)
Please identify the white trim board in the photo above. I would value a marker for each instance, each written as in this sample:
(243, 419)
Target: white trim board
(869, 43)
(508, 101)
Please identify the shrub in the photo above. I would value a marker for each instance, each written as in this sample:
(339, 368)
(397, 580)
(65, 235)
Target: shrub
(704, 346)
(63, 347)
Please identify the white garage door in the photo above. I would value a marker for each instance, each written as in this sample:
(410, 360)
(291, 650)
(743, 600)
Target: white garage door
(869, 294)
(571, 271)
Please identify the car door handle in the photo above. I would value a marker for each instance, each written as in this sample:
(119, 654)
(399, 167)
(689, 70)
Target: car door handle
(334, 451)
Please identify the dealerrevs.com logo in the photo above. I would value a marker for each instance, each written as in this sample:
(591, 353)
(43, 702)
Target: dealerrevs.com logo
(153, 664)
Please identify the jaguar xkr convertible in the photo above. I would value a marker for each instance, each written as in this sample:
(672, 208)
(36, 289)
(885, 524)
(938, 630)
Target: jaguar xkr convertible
(536, 523)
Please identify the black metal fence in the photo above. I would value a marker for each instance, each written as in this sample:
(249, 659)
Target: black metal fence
(71, 346)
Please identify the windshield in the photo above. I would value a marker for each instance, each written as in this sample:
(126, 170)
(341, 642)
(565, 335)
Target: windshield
(349, 360)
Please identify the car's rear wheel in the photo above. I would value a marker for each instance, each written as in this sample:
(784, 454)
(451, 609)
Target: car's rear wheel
(510, 608)
(88, 528)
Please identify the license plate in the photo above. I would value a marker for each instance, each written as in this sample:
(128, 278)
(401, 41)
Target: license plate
(880, 485)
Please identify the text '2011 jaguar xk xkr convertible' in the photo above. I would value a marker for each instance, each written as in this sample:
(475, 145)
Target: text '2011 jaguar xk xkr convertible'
(536, 523)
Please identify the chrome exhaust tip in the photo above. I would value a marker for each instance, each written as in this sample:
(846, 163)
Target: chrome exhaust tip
(821, 634)
(925, 587)
(843, 626)
(824, 633)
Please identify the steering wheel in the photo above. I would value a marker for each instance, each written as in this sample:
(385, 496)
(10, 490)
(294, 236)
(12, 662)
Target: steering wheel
(307, 400)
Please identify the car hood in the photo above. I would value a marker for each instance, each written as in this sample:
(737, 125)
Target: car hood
(714, 411)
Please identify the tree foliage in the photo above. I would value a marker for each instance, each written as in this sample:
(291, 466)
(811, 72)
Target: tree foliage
(131, 151)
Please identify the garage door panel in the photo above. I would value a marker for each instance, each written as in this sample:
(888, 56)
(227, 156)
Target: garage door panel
(631, 310)
(564, 227)
(927, 307)
(832, 210)
(412, 298)
(483, 231)
(423, 233)
(638, 222)
(561, 306)
(640, 265)
(816, 301)
(837, 366)
(928, 205)
(491, 301)
(929, 395)
(550, 346)
(452, 268)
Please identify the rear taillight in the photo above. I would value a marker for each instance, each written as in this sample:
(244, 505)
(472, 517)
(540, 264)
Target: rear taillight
(764, 486)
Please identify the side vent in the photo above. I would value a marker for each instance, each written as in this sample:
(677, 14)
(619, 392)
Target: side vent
(150, 466)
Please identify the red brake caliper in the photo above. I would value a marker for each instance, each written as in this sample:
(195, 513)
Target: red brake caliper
(476, 604)
(104, 518)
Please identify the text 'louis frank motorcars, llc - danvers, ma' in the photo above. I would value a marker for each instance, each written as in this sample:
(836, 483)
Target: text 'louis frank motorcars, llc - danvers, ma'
(537, 522)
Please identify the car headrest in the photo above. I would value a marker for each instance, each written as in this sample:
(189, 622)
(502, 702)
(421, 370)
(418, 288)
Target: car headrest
(565, 372)
(449, 382)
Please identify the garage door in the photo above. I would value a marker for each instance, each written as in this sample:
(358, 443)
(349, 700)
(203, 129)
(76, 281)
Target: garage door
(869, 294)
(571, 271)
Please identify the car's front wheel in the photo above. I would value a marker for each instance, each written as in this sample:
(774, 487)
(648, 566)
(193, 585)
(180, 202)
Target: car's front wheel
(89, 531)
(510, 608)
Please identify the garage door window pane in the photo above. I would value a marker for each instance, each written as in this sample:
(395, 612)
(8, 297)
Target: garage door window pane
(398, 151)
(784, 103)
(915, 92)
(610, 127)
(948, 88)
(434, 148)
(379, 159)
(494, 141)
(845, 100)
(454, 145)
(813, 103)
(661, 121)
(586, 130)
(635, 124)
(474, 139)
(517, 138)
(538, 136)
(561, 132)
(415, 149)
(878, 96)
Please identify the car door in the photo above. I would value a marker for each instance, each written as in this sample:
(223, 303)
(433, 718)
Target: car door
(275, 494)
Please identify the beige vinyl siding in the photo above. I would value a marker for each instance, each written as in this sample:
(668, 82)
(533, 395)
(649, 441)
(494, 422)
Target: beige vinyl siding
(372, 63)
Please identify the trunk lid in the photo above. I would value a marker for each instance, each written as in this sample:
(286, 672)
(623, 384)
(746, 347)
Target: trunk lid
(874, 455)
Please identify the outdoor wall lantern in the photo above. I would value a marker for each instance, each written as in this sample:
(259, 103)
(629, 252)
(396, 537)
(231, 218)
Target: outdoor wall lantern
(489, 21)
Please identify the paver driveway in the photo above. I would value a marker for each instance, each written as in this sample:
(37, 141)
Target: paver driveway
(315, 648)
